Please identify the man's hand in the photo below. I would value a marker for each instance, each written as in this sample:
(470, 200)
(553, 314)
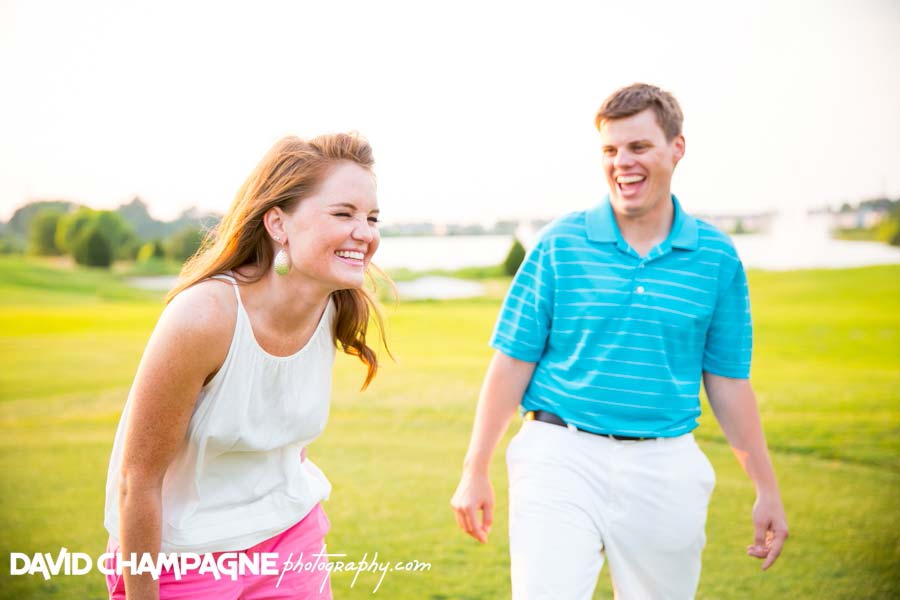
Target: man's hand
(501, 393)
(474, 494)
(770, 529)
(734, 405)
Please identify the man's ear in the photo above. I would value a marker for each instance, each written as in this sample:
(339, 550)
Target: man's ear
(679, 148)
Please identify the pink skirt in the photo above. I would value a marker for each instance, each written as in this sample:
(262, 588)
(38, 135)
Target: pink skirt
(302, 578)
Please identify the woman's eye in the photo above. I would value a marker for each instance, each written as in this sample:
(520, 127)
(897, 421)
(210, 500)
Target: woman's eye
(343, 215)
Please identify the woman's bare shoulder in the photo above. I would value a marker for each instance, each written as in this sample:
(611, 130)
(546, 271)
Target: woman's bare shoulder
(202, 315)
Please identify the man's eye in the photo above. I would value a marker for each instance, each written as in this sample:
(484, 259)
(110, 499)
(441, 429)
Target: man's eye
(373, 219)
(343, 215)
(609, 151)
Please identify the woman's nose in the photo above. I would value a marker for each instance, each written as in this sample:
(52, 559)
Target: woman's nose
(364, 231)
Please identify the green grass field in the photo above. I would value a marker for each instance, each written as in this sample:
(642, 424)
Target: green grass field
(826, 369)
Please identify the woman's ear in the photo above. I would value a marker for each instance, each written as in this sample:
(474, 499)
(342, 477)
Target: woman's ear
(273, 220)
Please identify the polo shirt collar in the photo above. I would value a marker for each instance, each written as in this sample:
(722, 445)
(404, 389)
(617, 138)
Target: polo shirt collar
(602, 227)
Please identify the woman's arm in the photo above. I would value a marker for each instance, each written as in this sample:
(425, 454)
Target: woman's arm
(189, 343)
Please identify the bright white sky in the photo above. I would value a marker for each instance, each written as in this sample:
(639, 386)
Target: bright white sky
(476, 110)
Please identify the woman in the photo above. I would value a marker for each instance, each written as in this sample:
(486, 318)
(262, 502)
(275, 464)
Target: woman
(235, 381)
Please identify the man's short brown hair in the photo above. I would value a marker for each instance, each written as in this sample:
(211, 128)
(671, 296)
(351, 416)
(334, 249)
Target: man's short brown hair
(638, 97)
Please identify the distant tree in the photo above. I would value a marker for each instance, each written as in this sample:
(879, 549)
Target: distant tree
(136, 214)
(889, 228)
(119, 233)
(879, 203)
(11, 244)
(71, 226)
(150, 251)
(115, 229)
(514, 258)
(20, 222)
(42, 232)
(505, 228)
(191, 217)
(894, 240)
(129, 249)
(184, 244)
(92, 248)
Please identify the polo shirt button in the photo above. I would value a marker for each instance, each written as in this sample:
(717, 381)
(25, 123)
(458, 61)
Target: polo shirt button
(640, 289)
(641, 265)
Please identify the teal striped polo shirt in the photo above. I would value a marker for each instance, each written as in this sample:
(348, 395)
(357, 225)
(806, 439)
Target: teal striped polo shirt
(621, 340)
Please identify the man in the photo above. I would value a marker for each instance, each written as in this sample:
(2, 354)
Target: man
(609, 326)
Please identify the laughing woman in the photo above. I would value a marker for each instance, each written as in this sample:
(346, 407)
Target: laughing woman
(209, 456)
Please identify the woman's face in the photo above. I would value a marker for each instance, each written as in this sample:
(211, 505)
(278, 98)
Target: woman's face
(332, 235)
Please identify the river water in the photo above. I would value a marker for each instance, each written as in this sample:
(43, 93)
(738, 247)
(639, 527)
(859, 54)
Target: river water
(795, 241)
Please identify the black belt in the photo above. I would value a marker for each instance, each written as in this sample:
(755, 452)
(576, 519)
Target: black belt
(547, 417)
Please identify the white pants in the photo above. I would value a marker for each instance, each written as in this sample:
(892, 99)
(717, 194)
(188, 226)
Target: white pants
(575, 497)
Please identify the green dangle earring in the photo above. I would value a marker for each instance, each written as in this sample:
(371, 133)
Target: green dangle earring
(282, 262)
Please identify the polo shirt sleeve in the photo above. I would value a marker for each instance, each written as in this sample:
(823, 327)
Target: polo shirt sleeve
(524, 323)
(729, 340)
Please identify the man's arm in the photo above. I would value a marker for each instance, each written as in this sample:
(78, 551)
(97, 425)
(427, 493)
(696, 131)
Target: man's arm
(501, 393)
(734, 404)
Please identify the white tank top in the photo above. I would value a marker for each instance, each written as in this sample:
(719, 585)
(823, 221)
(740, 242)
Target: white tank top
(238, 478)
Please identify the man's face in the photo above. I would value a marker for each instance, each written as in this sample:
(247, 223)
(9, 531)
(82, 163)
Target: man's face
(638, 162)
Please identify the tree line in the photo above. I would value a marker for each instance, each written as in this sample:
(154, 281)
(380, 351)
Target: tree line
(97, 238)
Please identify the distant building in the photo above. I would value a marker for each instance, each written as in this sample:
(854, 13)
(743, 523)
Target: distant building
(409, 229)
(738, 224)
(862, 218)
